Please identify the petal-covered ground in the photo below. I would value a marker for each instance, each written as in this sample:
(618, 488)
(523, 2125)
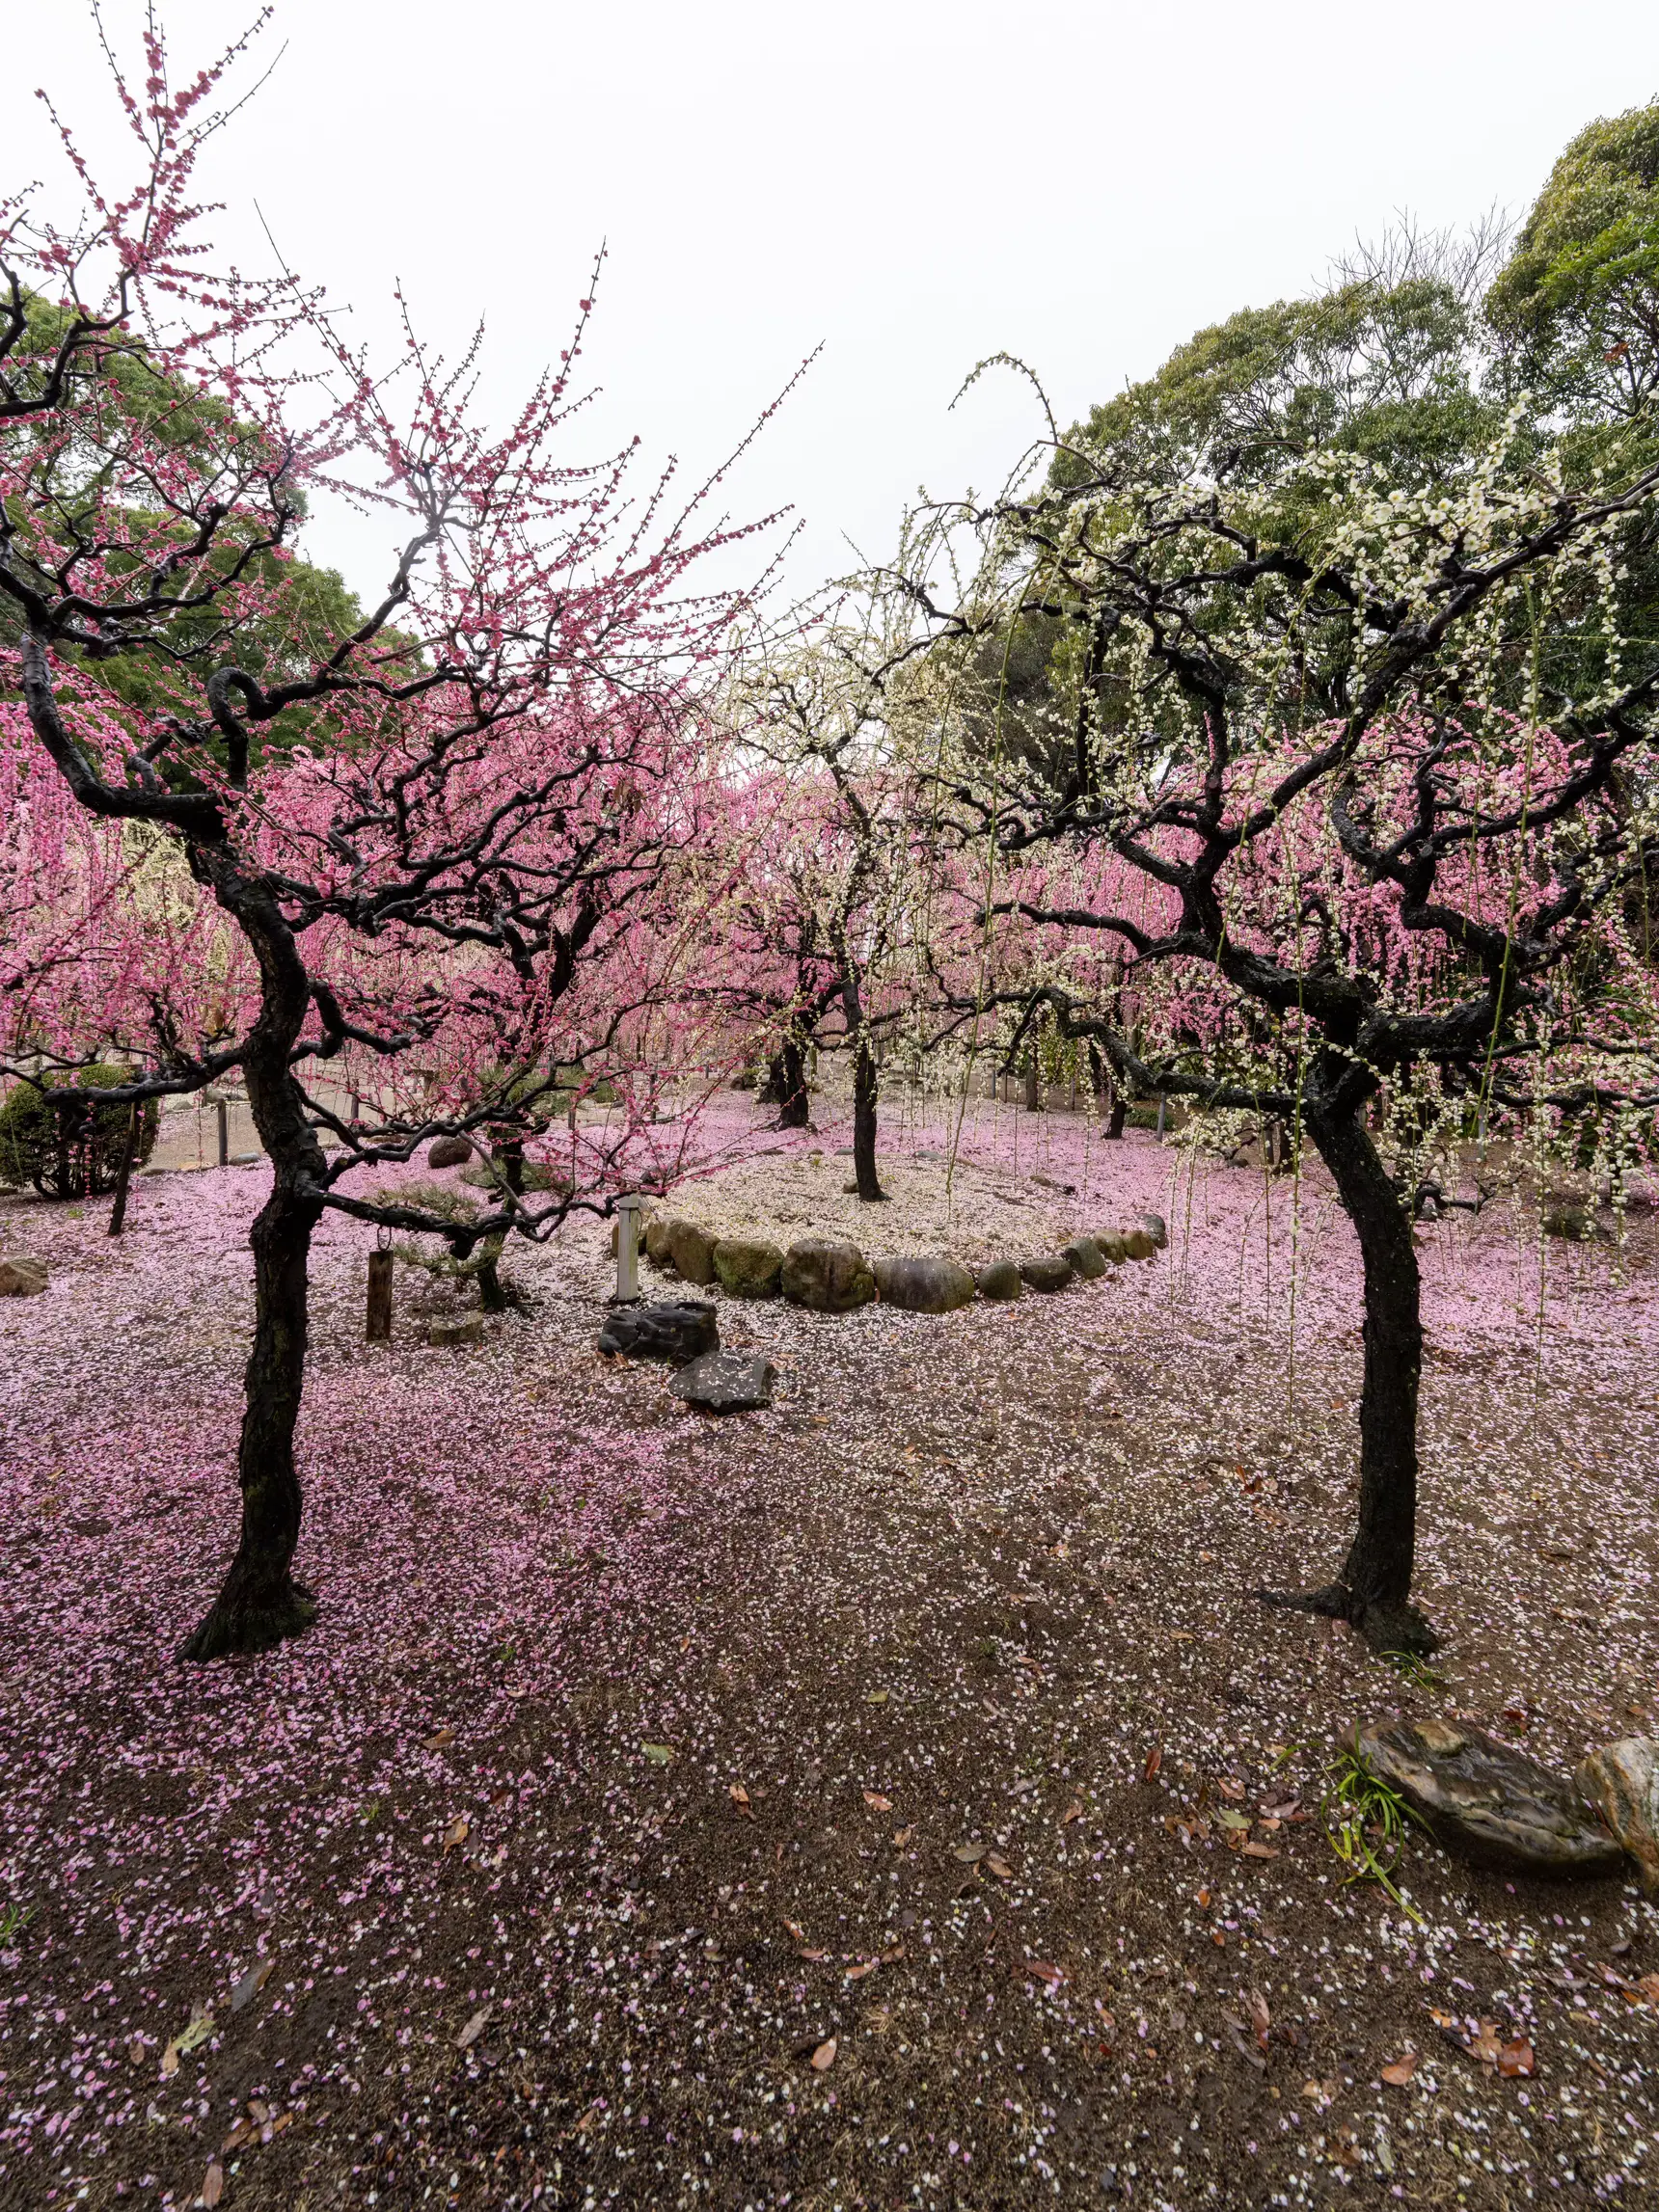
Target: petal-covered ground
(834, 1806)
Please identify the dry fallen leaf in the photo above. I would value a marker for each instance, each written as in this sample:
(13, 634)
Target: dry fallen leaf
(1043, 1970)
(1255, 1851)
(1073, 1812)
(740, 1798)
(1261, 2019)
(1231, 1789)
(877, 1802)
(190, 2038)
(474, 2028)
(251, 1982)
(1153, 1761)
(864, 1968)
(213, 2186)
(875, 1697)
(1399, 2071)
(902, 1836)
(659, 1754)
(999, 1866)
(458, 1832)
(1517, 2060)
(968, 1855)
(441, 1742)
(824, 2057)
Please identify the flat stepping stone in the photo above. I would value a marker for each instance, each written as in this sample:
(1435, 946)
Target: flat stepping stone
(455, 1332)
(1047, 1271)
(677, 1328)
(1494, 1805)
(726, 1382)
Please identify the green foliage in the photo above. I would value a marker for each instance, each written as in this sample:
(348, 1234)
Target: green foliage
(1367, 1821)
(1374, 367)
(67, 1149)
(1579, 297)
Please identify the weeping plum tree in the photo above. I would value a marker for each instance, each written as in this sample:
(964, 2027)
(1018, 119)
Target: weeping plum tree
(826, 703)
(429, 848)
(1347, 785)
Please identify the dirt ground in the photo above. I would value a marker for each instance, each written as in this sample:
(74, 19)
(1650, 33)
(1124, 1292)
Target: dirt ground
(895, 1798)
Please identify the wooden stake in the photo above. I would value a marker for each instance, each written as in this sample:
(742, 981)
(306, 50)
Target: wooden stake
(379, 1326)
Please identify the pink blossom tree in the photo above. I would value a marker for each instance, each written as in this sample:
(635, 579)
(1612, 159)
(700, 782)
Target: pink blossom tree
(426, 851)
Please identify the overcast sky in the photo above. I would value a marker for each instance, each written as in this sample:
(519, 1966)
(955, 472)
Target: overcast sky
(913, 184)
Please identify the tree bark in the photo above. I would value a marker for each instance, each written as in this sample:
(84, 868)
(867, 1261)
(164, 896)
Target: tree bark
(865, 1084)
(794, 1106)
(123, 1174)
(260, 1603)
(1373, 1592)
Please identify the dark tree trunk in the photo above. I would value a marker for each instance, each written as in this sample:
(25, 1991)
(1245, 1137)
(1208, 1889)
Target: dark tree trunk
(1120, 1109)
(494, 1295)
(123, 1174)
(1033, 1086)
(260, 1603)
(789, 1079)
(864, 1089)
(1374, 1590)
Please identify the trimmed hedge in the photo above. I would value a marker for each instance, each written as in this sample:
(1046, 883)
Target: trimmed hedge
(67, 1149)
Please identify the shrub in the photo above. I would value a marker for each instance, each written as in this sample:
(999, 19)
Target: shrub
(67, 1149)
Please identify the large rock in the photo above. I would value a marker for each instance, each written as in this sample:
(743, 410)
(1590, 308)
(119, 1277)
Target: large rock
(1086, 1257)
(1621, 1783)
(448, 1152)
(691, 1250)
(932, 1282)
(749, 1267)
(657, 1229)
(677, 1328)
(1109, 1243)
(21, 1275)
(1139, 1245)
(1157, 1228)
(1047, 1271)
(1001, 1280)
(1494, 1805)
(726, 1382)
(828, 1274)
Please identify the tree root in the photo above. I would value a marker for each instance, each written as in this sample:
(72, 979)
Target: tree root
(239, 1621)
(1388, 1625)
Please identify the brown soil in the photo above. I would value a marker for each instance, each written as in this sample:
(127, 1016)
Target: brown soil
(976, 1585)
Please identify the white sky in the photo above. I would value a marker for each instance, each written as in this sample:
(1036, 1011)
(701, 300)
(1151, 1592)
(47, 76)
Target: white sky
(915, 184)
